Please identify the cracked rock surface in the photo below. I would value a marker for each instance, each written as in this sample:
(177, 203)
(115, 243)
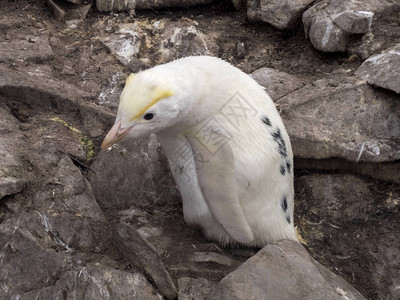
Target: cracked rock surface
(80, 223)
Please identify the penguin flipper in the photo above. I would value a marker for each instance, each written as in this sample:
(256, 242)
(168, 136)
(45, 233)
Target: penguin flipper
(215, 175)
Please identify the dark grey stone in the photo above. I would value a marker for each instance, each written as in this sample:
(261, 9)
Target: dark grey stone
(125, 173)
(143, 255)
(25, 264)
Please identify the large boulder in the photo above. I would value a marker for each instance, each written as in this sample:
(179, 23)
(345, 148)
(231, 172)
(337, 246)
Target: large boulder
(348, 120)
(283, 270)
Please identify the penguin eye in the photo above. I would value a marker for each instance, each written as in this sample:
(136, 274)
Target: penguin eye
(148, 116)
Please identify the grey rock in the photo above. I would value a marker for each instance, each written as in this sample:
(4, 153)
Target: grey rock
(12, 177)
(389, 172)
(352, 21)
(338, 198)
(381, 70)
(240, 50)
(182, 41)
(37, 87)
(96, 282)
(280, 14)
(207, 257)
(327, 119)
(332, 25)
(123, 45)
(352, 222)
(65, 12)
(76, 192)
(369, 44)
(40, 88)
(132, 173)
(277, 83)
(131, 5)
(143, 255)
(119, 5)
(147, 231)
(194, 288)
(77, 2)
(10, 185)
(30, 48)
(265, 276)
(146, 4)
(322, 32)
(65, 232)
(236, 4)
(25, 264)
(73, 231)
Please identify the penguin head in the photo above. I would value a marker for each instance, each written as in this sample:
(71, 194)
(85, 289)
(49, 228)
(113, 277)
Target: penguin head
(149, 103)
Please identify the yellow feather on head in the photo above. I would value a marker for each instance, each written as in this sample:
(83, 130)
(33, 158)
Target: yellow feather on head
(141, 92)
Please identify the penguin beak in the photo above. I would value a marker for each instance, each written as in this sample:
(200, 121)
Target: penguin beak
(114, 135)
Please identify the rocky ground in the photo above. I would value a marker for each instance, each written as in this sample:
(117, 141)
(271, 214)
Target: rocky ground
(77, 222)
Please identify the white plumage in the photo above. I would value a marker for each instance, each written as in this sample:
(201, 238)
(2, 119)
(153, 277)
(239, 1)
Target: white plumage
(226, 144)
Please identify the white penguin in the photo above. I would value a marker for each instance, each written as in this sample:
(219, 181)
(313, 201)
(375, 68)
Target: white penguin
(226, 145)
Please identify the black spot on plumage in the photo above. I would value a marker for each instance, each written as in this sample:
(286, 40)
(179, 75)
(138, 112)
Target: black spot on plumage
(284, 203)
(288, 166)
(266, 121)
(282, 169)
(281, 143)
(288, 219)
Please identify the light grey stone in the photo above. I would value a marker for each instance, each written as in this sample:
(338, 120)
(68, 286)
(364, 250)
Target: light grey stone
(322, 32)
(277, 83)
(283, 270)
(328, 119)
(382, 70)
(123, 45)
(280, 14)
(332, 25)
